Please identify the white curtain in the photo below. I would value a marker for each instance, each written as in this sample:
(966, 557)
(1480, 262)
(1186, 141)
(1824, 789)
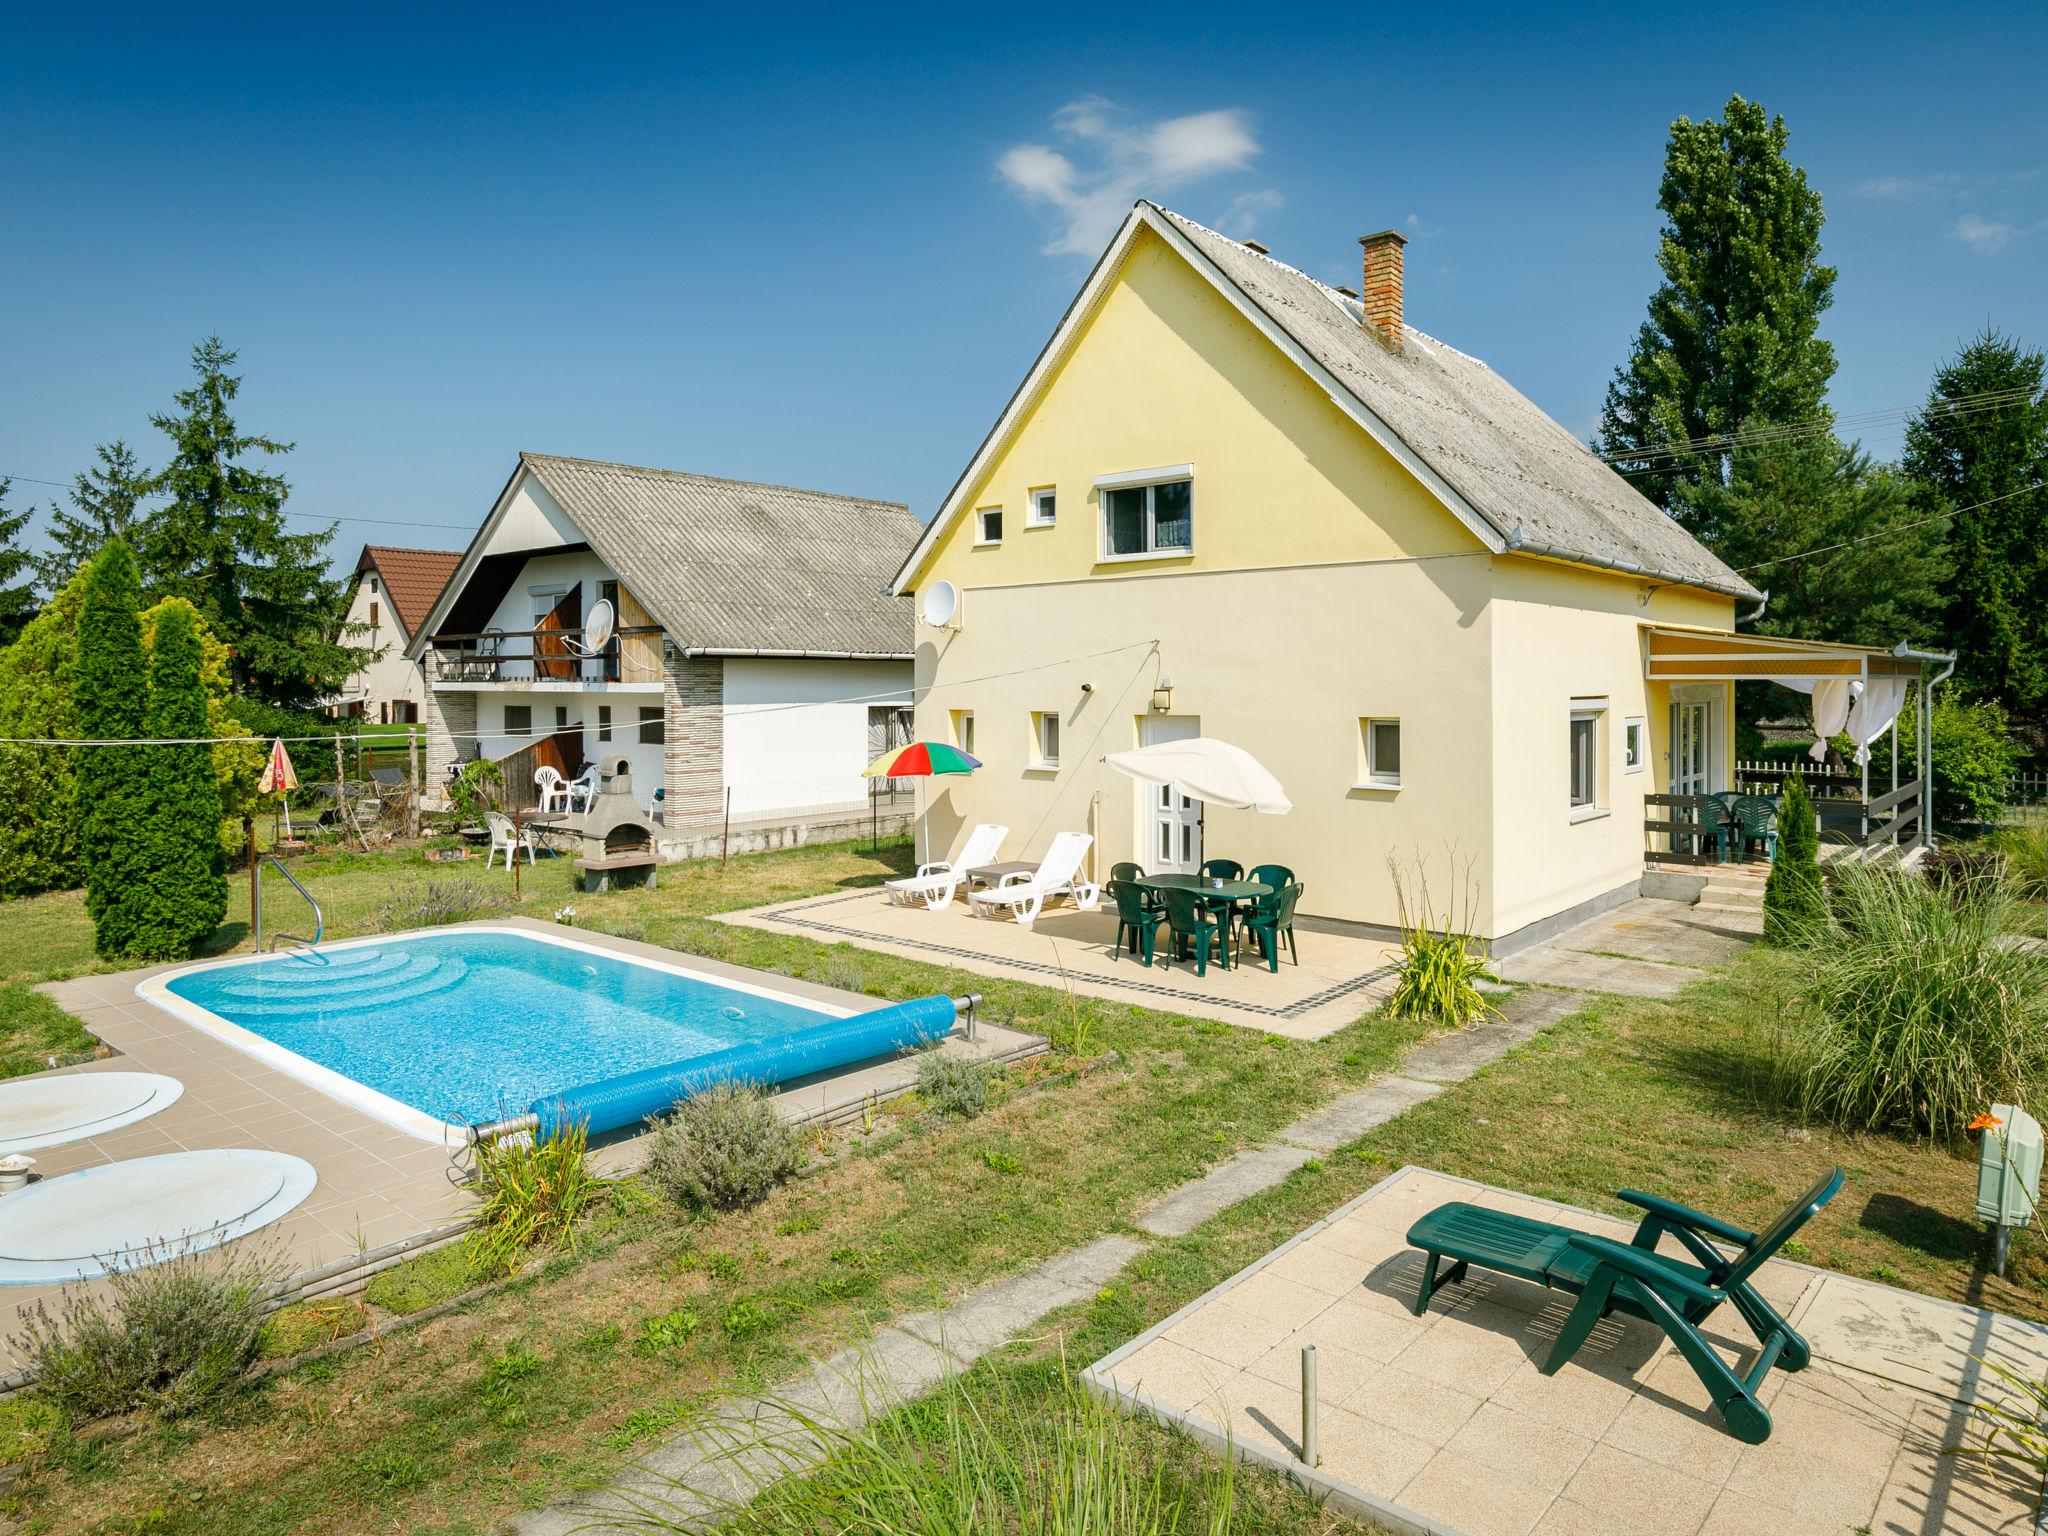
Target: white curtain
(1874, 713)
(1832, 699)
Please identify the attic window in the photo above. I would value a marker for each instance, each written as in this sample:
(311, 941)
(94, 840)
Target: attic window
(988, 525)
(1148, 515)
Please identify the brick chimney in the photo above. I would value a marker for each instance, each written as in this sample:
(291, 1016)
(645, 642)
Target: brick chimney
(1382, 287)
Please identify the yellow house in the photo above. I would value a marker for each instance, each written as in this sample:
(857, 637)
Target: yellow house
(1230, 500)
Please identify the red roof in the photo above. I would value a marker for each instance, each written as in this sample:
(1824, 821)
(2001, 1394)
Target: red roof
(412, 578)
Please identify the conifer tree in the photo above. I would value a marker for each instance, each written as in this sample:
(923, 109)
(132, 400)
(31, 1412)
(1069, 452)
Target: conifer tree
(180, 895)
(17, 591)
(220, 542)
(108, 498)
(110, 693)
(39, 784)
(1795, 900)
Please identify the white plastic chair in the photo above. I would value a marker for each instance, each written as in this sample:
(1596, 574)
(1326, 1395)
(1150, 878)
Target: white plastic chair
(502, 837)
(936, 884)
(582, 789)
(1058, 874)
(549, 782)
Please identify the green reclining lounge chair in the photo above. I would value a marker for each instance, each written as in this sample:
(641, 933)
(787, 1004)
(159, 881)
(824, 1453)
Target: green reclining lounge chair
(1633, 1277)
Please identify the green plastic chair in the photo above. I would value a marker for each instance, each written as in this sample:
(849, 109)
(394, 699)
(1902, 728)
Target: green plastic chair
(1221, 869)
(1272, 919)
(1634, 1278)
(1756, 821)
(1712, 815)
(1278, 876)
(1193, 925)
(1130, 871)
(1135, 916)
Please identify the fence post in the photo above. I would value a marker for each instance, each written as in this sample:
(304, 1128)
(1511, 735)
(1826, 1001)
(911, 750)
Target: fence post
(725, 838)
(412, 778)
(1310, 1454)
(255, 885)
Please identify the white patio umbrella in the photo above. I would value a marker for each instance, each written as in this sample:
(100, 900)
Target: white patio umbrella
(1203, 768)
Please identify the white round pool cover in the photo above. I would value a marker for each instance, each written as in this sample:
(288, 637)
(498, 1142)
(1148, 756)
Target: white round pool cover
(144, 1211)
(70, 1106)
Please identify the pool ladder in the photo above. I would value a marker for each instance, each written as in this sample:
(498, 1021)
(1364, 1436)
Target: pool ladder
(310, 946)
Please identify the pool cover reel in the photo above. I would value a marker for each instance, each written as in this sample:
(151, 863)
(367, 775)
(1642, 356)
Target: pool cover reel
(616, 1102)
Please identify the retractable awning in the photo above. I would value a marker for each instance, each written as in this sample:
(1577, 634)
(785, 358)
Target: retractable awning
(1673, 653)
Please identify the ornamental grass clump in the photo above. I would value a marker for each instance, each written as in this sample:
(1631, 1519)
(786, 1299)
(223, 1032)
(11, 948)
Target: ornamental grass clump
(1920, 1012)
(529, 1193)
(1441, 967)
(955, 1088)
(174, 1337)
(723, 1149)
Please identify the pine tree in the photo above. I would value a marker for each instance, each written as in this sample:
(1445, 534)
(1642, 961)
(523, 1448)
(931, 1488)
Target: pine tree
(1795, 901)
(1988, 463)
(109, 499)
(109, 699)
(221, 543)
(1732, 340)
(17, 592)
(38, 785)
(180, 894)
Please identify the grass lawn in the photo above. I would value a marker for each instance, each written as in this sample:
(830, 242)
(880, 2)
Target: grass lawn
(588, 1357)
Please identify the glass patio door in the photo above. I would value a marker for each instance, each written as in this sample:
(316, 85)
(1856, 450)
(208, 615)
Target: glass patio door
(1691, 762)
(1170, 828)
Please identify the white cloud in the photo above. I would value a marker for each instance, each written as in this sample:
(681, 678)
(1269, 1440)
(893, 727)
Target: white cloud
(1111, 161)
(1902, 189)
(1417, 230)
(1245, 211)
(1981, 234)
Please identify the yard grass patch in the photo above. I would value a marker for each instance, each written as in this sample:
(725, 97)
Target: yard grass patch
(35, 1033)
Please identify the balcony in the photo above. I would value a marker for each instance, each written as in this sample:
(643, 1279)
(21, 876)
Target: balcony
(537, 657)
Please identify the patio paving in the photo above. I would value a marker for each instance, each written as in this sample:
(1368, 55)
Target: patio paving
(1340, 977)
(1443, 1424)
(377, 1185)
(1646, 947)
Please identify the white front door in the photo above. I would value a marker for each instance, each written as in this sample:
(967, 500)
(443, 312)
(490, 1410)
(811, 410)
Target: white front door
(1691, 738)
(1170, 826)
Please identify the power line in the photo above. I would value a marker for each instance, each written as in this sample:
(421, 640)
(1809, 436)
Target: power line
(1654, 456)
(1885, 533)
(386, 522)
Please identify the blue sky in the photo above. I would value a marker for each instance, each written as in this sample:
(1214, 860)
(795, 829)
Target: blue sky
(822, 248)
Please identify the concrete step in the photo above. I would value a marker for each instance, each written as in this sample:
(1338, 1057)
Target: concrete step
(1732, 896)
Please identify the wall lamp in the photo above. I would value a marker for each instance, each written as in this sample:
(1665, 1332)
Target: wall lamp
(1162, 696)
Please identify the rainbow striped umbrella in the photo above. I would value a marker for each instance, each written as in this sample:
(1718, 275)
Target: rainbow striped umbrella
(920, 760)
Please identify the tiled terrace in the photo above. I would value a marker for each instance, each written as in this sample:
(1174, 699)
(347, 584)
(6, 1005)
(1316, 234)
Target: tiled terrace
(1444, 1424)
(377, 1185)
(1340, 976)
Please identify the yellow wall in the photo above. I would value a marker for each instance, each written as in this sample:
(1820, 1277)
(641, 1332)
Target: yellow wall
(1325, 585)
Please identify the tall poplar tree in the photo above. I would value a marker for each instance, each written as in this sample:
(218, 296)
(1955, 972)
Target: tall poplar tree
(109, 700)
(180, 893)
(1987, 463)
(221, 543)
(108, 499)
(1733, 340)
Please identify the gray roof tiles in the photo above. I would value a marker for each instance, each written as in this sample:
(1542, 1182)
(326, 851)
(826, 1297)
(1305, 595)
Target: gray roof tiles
(1509, 462)
(727, 565)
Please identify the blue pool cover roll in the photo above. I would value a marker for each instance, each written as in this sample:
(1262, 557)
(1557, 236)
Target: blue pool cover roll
(621, 1101)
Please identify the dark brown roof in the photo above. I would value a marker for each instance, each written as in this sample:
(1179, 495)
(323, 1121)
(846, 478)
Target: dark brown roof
(412, 578)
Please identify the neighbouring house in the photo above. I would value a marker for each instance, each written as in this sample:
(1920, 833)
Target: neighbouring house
(755, 668)
(395, 589)
(1231, 500)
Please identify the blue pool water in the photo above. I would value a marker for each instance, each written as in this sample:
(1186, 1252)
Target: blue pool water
(469, 1025)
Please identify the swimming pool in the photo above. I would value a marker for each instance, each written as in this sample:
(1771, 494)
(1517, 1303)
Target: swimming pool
(432, 1032)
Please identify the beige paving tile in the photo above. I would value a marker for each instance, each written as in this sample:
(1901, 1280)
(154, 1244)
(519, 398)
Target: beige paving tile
(1521, 1446)
(1736, 1514)
(1363, 1240)
(1223, 1332)
(1321, 1265)
(1575, 1398)
(1361, 1325)
(1926, 1493)
(1671, 1420)
(1261, 1412)
(1407, 1201)
(1474, 1353)
(1428, 1410)
(1339, 1372)
(1175, 1376)
(1652, 1499)
(1448, 1492)
(1367, 1454)
(1276, 1296)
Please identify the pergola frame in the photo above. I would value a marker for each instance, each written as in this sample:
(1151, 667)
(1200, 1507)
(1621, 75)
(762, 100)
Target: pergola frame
(1674, 653)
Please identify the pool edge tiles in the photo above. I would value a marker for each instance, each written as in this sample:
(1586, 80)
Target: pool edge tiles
(380, 1106)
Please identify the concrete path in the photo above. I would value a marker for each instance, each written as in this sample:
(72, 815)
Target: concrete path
(1645, 947)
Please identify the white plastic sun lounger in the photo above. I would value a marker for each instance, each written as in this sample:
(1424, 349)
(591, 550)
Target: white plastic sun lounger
(1059, 874)
(935, 884)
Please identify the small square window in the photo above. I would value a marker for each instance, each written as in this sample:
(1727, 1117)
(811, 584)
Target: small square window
(989, 525)
(1635, 744)
(518, 719)
(653, 721)
(604, 722)
(963, 730)
(561, 717)
(1045, 739)
(1379, 748)
(1043, 508)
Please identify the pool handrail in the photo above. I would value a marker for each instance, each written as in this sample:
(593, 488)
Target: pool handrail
(312, 945)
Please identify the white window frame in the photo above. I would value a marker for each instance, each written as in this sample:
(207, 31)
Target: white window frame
(981, 517)
(1595, 804)
(1370, 775)
(1035, 501)
(963, 730)
(1635, 743)
(1144, 479)
(1043, 761)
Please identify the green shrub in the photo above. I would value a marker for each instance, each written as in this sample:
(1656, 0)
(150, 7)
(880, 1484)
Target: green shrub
(38, 785)
(1974, 757)
(1441, 966)
(1919, 1013)
(724, 1148)
(109, 703)
(954, 1087)
(1795, 901)
(437, 902)
(424, 1282)
(529, 1192)
(475, 789)
(180, 894)
(174, 1337)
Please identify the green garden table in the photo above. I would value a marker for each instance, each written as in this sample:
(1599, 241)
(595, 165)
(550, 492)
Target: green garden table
(1226, 896)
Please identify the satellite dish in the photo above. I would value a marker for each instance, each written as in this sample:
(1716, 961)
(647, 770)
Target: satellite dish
(597, 630)
(941, 605)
